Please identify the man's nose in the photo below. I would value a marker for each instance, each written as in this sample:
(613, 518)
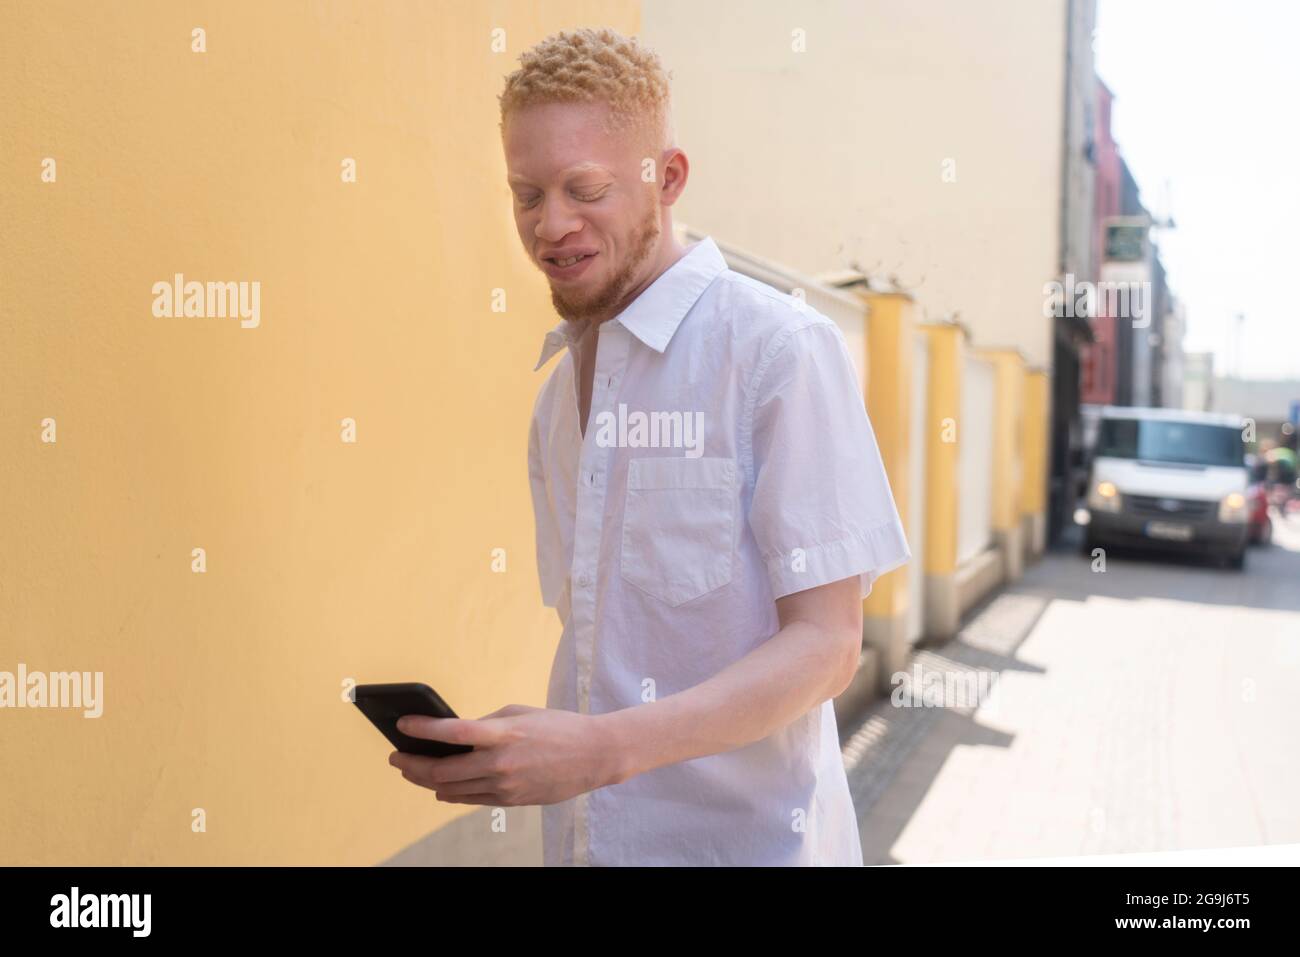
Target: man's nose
(557, 221)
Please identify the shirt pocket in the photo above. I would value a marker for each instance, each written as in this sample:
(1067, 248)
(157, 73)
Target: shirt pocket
(679, 526)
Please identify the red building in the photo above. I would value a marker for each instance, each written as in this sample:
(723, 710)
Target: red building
(1099, 373)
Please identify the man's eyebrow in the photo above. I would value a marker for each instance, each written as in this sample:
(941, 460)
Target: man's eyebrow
(572, 171)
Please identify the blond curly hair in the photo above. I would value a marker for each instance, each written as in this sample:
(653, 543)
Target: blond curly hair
(595, 66)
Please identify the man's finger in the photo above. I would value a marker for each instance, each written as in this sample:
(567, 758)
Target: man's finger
(478, 797)
(456, 767)
(478, 787)
(448, 730)
(491, 800)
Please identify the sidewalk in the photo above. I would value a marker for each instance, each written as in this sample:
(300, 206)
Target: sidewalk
(1148, 708)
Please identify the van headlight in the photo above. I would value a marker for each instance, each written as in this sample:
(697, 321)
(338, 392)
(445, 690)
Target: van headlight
(1104, 497)
(1233, 508)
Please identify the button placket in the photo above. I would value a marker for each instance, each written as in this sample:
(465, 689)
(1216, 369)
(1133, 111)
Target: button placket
(612, 345)
(611, 356)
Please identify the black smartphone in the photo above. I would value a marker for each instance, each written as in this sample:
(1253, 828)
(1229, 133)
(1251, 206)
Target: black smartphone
(384, 704)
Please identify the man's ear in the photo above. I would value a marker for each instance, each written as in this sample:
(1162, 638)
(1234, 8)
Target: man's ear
(676, 170)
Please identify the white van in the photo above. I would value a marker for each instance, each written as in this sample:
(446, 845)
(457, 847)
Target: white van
(1170, 479)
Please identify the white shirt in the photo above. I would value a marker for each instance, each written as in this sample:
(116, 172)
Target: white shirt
(664, 540)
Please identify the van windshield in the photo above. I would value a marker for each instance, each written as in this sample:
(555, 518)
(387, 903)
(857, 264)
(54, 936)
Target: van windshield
(1183, 443)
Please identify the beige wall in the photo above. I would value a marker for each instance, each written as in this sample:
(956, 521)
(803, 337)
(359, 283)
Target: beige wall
(834, 155)
(325, 560)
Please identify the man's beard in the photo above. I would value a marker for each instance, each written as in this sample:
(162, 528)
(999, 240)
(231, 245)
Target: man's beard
(580, 308)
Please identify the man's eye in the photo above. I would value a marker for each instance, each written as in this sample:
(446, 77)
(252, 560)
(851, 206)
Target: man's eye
(588, 197)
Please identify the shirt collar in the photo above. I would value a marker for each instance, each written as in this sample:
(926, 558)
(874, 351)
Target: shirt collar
(653, 317)
(565, 334)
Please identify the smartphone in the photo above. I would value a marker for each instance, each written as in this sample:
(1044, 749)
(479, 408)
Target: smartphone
(384, 704)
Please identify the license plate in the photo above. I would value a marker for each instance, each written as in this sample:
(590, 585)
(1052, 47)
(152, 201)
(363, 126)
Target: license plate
(1170, 531)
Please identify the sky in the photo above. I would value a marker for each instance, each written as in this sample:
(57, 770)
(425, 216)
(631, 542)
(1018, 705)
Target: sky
(1206, 98)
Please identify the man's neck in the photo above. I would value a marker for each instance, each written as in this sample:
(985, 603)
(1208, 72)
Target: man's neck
(585, 352)
(669, 252)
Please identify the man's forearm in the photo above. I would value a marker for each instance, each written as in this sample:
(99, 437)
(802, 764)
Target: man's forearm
(788, 675)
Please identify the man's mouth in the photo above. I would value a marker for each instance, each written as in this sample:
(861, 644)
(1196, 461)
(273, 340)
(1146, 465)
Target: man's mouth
(566, 267)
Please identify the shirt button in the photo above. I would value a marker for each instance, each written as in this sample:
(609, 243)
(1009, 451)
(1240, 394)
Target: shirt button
(584, 580)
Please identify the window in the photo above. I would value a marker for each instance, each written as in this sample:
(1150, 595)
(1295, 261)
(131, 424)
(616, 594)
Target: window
(1178, 443)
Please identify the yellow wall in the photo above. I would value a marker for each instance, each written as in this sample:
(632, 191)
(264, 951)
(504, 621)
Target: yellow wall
(942, 412)
(1008, 435)
(1035, 442)
(889, 400)
(325, 560)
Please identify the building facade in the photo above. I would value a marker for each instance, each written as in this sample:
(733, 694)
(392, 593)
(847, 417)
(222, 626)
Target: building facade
(936, 147)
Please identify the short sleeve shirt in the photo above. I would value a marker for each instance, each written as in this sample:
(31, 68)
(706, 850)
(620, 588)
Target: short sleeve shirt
(728, 461)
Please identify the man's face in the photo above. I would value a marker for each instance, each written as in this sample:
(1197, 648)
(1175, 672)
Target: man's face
(578, 192)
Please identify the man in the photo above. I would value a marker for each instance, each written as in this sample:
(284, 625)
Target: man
(710, 506)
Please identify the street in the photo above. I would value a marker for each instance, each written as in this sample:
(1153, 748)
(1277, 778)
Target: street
(1152, 706)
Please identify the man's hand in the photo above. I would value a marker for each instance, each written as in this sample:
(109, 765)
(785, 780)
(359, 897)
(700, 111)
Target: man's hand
(522, 755)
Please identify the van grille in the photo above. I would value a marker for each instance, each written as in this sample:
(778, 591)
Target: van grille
(1151, 506)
